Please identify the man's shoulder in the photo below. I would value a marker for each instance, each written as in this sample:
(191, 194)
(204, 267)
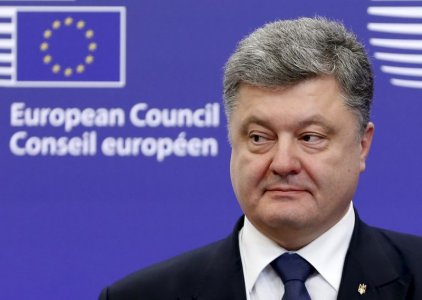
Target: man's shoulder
(389, 263)
(182, 276)
(179, 272)
(185, 263)
(407, 244)
(401, 248)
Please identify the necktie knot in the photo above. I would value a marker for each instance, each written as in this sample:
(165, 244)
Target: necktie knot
(292, 267)
(293, 271)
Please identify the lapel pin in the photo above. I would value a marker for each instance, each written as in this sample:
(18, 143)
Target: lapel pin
(362, 288)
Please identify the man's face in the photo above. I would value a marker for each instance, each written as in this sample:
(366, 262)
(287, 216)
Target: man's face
(296, 158)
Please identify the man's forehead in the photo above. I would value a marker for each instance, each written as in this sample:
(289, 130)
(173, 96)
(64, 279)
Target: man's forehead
(247, 87)
(316, 102)
(323, 87)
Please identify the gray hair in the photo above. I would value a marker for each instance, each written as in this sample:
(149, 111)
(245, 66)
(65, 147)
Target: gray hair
(286, 52)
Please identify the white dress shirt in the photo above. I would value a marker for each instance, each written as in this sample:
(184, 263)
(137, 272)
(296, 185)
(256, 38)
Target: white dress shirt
(326, 254)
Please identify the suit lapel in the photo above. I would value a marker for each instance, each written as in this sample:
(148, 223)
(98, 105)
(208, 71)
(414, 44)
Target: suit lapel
(372, 269)
(223, 279)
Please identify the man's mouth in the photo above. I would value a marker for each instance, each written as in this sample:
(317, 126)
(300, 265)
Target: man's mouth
(286, 191)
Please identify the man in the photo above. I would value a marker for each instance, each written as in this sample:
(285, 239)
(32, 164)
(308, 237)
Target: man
(297, 96)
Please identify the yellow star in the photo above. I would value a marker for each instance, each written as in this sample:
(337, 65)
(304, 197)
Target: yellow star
(68, 72)
(47, 59)
(89, 59)
(68, 21)
(80, 69)
(56, 68)
(92, 47)
(47, 34)
(44, 46)
(57, 24)
(80, 24)
(89, 34)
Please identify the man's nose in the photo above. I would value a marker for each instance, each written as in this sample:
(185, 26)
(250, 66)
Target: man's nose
(285, 160)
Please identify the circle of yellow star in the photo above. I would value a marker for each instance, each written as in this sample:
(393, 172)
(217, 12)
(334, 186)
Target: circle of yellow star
(56, 68)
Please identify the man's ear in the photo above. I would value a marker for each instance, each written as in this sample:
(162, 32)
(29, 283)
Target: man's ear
(365, 144)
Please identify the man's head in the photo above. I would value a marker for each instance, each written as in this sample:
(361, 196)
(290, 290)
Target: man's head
(286, 52)
(297, 96)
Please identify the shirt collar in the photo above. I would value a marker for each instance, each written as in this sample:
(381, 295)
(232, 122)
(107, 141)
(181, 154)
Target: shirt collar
(326, 253)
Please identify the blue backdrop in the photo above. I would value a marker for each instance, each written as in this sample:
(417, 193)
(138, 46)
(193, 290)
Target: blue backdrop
(96, 184)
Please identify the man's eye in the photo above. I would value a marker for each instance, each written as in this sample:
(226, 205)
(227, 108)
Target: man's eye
(311, 138)
(256, 138)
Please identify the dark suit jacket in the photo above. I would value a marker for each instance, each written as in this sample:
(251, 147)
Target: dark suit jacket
(388, 263)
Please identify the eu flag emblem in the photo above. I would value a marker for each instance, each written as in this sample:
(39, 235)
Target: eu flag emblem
(62, 46)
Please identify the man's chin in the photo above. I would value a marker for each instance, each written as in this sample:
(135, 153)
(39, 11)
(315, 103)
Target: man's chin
(291, 219)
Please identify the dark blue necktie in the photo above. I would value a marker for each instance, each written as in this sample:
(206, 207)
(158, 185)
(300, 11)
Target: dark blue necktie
(293, 271)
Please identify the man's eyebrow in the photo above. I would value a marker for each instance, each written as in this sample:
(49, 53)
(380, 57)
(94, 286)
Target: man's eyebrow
(317, 120)
(253, 120)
